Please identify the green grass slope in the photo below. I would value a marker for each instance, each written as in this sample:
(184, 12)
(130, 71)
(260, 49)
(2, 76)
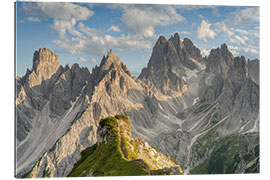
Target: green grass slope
(236, 153)
(113, 156)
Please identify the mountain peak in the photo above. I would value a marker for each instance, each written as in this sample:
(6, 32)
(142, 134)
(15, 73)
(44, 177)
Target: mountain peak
(45, 64)
(176, 36)
(161, 40)
(45, 57)
(110, 64)
(110, 59)
(219, 59)
(192, 49)
(224, 46)
(111, 53)
(175, 39)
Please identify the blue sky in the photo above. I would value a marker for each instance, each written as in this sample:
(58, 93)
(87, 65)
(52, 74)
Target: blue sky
(82, 33)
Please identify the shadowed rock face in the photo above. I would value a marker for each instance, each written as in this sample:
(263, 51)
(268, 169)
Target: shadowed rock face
(166, 65)
(179, 102)
(253, 72)
(219, 60)
(192, 50)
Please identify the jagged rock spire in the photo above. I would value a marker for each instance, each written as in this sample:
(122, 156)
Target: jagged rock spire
(110, 59)
(219, 59)
(45, 64)
(45, 58)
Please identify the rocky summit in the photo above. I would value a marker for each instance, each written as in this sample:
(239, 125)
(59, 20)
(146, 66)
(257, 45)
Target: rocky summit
(201, 111)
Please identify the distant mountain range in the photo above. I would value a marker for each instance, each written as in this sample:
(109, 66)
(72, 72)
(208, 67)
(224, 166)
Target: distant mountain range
(202, 111)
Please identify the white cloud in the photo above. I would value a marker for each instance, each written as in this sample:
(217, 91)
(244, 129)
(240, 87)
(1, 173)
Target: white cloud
(65, 15)
(90, 32)
(222, 27)
(236, 30)
(97, 43)
(205, 32)
(75, 37)
(234, 50)
(143, 19)
(32, 19)
(114, 28)
(248, 50)
(242, 31)
(82, 59)
(94, 61)
(244, 16)
(184, 32)
(242, 39)
(251, 49)
(239, 40)
(194, 7)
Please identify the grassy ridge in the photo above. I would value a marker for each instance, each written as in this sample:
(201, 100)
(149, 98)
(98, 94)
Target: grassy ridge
(116, 155)
(106, 159)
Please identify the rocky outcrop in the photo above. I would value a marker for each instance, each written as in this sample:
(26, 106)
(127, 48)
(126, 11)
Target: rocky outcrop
(117, 146)
(179, 101)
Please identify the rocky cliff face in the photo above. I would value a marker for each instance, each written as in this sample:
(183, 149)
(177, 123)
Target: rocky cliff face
(110, 89)
(219, 60)
(181, 103)
(167, 64)
(48, 99)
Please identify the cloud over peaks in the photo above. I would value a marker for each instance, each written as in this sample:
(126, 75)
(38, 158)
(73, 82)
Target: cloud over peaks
(65, 15)
(144, 18)
(244, 16)
(205, 32)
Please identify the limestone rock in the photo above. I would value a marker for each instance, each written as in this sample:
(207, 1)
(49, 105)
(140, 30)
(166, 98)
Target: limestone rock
(166, 65)
(178, 101)
(45, 64)
(219, 60)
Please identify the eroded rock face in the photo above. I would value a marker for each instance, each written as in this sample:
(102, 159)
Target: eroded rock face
(104, 93)
(166, 65)
(48, 99)
(219, 60)
(192, 50)
(177, 102)
(45, 65)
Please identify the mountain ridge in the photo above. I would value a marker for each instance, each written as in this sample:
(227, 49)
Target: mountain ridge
(190, 99)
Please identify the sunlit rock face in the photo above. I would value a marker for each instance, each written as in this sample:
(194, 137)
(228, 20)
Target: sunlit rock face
(181, 103)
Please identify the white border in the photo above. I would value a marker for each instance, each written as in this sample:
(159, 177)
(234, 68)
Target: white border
(7, 86)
